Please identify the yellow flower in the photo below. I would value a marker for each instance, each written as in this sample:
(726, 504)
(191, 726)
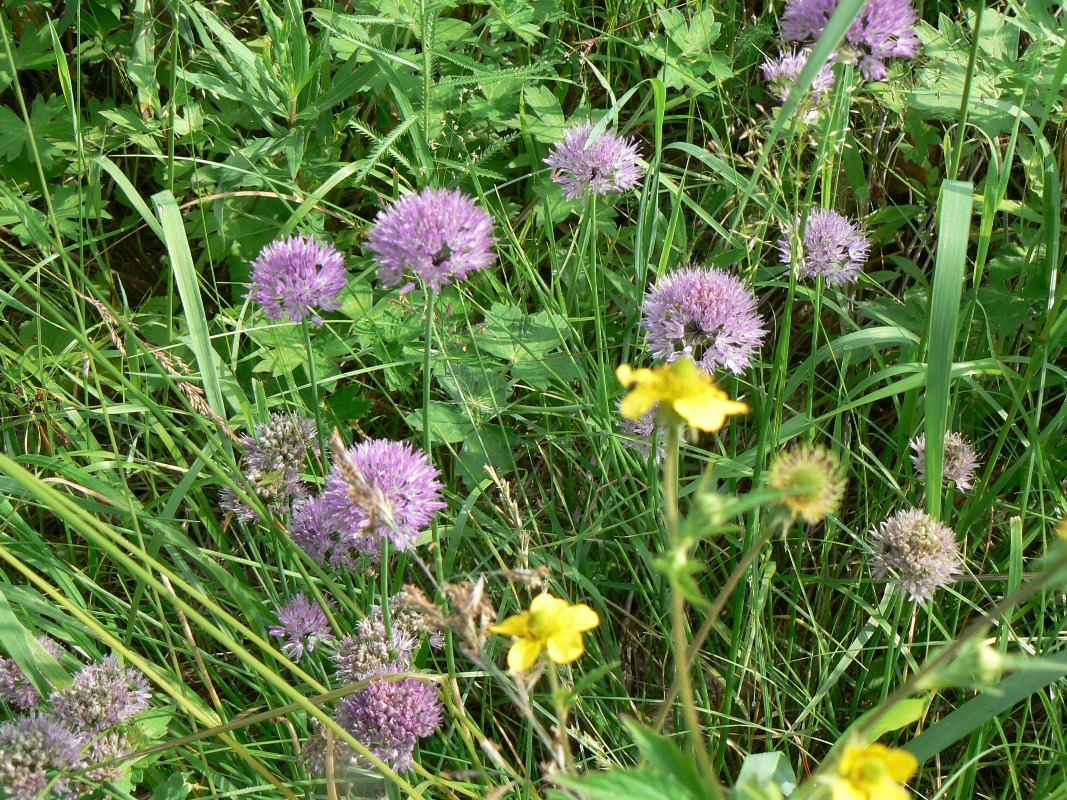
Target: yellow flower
(551, 624)
(680, 389)
(874, 772)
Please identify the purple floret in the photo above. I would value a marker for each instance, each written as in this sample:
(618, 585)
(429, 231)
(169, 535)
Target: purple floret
(706, 314)
(440, 235)
(389, 717)
(33, 748)
(922, 551)
(781, 74)
(303, 624)
(884, 29)
(15, 688)
(103, 694)
(834, 247)
(296, 276)
(584, 164)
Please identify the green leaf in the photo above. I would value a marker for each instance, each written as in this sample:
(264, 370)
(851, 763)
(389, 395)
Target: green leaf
(662, 756)
(448, 424)
(625, 784)
(765, 770)
(902, 714)
(174, 788)
(511, 334)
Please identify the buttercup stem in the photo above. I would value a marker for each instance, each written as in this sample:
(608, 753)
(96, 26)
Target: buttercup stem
(561, 718)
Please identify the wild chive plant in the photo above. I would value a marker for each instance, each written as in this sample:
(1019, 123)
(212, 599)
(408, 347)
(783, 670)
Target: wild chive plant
(151, 153)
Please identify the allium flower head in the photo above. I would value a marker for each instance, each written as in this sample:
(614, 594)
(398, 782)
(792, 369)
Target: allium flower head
(303, 624)
(960, 459)
(874, 772)
(102, 694)
(706, 314)
(640, 434)
(389, 717)
(33, 749)
(884, 29)
(552, 625)
(586, 164)
(380, 488)
(781, 74)
(439, 234)
(816, 478)
(15, 688)
(373, 650)
(922, 550)
(833, 247)
(281, 443)
(295, 276)
(681, 391)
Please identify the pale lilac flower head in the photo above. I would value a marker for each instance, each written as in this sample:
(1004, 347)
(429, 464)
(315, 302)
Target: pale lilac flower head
(33, 749)
(313, 530)
(372, 650)
(781, 75)
(922, 551)
(884, 29)
(833, 247)
(102, 694)
(303, 624)
(585, 164)
(296, 276)
(390, 716)
(380, 488)
(705, 314)
(960, 459)
(15, 688)
(641, 432)
(441, 235)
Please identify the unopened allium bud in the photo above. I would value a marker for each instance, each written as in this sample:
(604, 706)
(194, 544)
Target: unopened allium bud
(922, 551)
(815, 479)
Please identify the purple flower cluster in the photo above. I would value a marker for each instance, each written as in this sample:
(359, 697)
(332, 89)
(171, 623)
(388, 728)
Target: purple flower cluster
(706, 314)
(303, 624)
(274, 457)
(884, 29)
(781, 75)
(33, 748)
(378, 488)
(15, 688)
(295, 276)
(585, 164)
(389, 715)
(922, 551)
(960, 459)
(441, 235)
(833, 247)
(102, 695)
(641, 432)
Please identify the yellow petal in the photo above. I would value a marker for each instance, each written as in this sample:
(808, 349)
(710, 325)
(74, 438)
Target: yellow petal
(523, 654)
(579, 618)
(515, 625)
(707, 412)
(547, 606)
(565, 646)
(843, 790)
(900, 764)
(638, 401)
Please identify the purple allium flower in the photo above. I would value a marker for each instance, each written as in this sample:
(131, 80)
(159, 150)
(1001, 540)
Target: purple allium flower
(372, 651)
(833, 246)
(313, 530)
(389, 717)
(303, 624)
(781, 74)
(107, 747)
(281, 443)
(960, 460)
(15, 688)
(705, 314)
(295, 276)
(584, 165)
(640, 432)
(381, 488)
(32, 749)
(229, 501)
(884, 29)
(922, 550)
(441, 235)
(103, 694)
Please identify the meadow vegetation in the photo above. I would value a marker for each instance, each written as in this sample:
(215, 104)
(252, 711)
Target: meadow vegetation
(532, 400)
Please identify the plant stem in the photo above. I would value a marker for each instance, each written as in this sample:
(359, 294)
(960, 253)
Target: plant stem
(313, 381)
(561, 719)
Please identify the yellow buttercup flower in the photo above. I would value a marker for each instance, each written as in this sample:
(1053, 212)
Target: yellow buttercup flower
(681, 389)
(874, 772)
(550, 624)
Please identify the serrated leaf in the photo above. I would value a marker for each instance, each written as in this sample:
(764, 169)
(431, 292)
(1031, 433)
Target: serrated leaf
(448, 424)
(513, 335)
